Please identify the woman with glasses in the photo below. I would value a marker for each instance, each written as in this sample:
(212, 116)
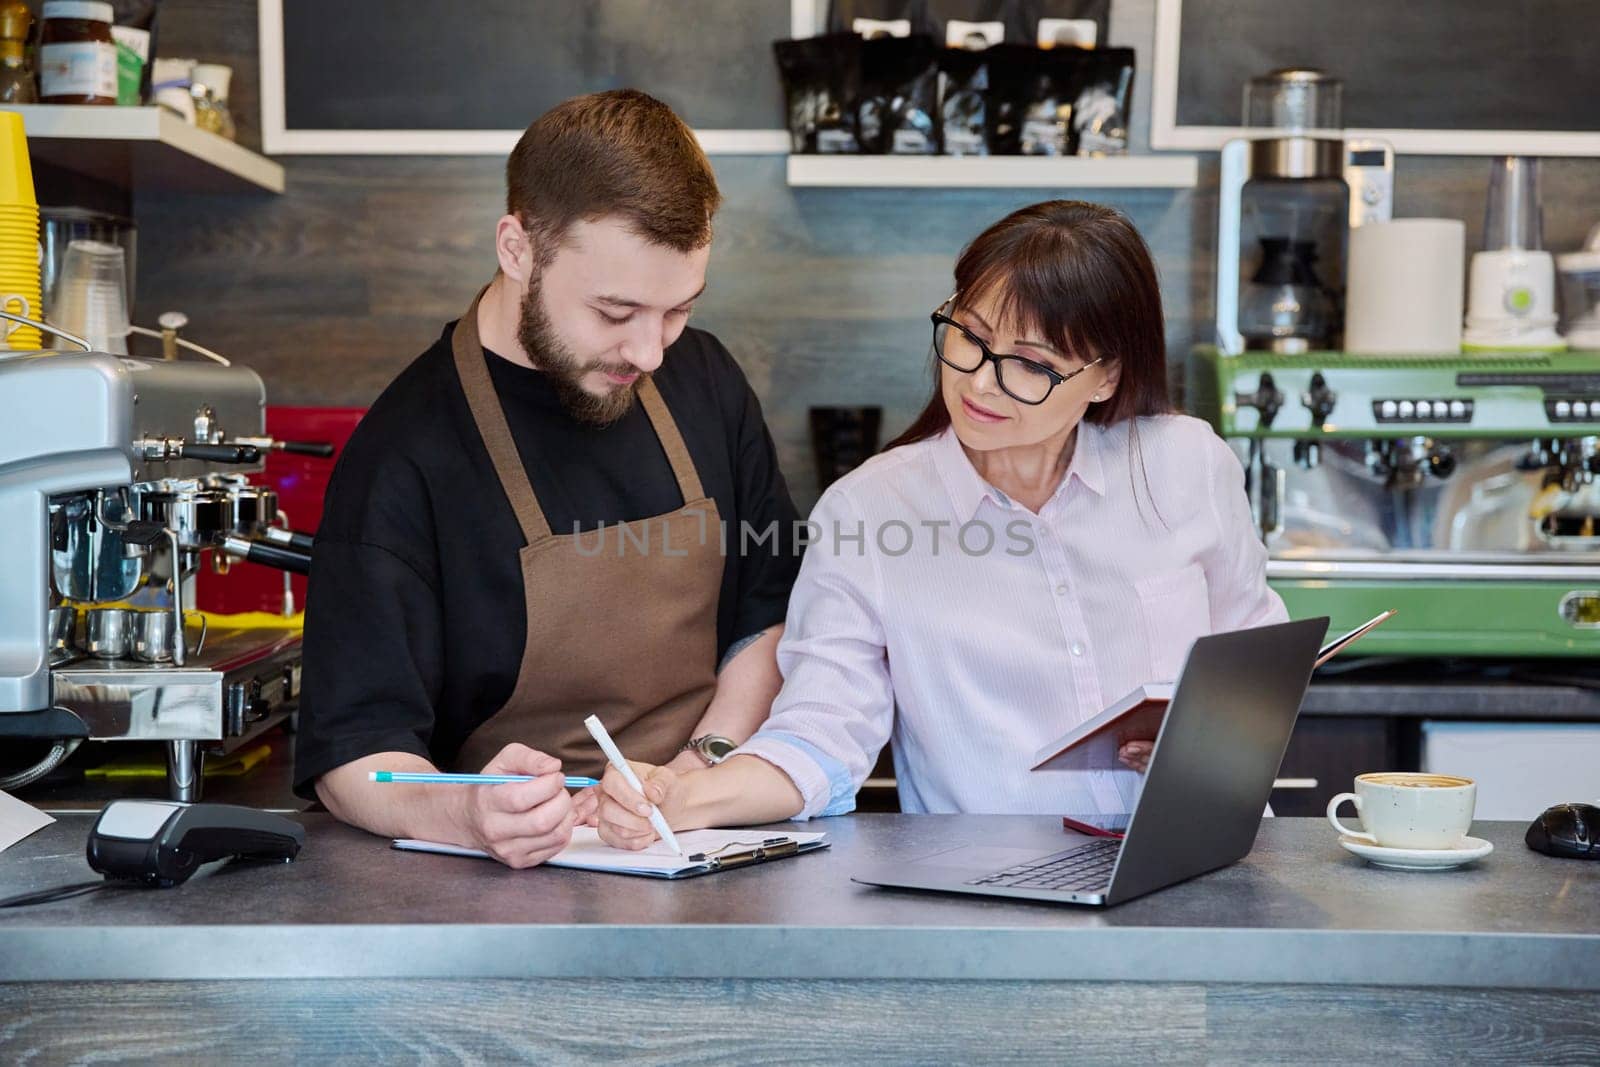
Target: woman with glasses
(1047, 536)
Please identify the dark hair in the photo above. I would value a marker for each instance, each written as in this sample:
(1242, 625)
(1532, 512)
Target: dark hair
(1081, 276)
(619, 152)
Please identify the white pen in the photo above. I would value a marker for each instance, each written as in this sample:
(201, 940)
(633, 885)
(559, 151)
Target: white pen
(597, 730)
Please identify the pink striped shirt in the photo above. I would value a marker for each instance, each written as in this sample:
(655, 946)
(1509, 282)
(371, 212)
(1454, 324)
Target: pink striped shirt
(932, 609)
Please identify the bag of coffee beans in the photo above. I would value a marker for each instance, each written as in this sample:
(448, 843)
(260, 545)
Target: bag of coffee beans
(1100, 106)
(895, 111)
(1031, 93)
(963, 102)
(821, 78)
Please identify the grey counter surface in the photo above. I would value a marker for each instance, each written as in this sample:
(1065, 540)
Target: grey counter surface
(1297, 910)
(1477, 698)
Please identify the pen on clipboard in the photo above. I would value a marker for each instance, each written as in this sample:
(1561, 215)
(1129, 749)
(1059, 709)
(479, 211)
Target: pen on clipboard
(597, 730)
(417, 778)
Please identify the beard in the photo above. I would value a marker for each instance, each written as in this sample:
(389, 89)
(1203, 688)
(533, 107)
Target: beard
(551, 355)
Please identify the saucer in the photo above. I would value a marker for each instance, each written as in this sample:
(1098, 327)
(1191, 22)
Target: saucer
(1418, 859)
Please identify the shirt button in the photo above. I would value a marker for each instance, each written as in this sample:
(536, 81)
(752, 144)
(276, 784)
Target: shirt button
(1077, 649)
(1061, 590)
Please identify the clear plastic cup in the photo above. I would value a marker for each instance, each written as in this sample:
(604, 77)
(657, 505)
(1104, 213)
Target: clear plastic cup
(91, 298)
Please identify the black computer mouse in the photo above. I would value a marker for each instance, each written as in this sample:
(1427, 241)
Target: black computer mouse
(1570, 831)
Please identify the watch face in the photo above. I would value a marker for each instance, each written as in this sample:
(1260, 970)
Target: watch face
(717, 748)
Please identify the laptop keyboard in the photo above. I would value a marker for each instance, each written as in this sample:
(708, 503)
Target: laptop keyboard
(1087, 867)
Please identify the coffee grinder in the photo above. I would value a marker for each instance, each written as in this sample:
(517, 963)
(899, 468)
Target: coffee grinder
(1288, 200)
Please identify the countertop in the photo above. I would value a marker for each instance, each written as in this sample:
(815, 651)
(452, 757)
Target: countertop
(1298, 909)
(1551, 690)
(1477, 699)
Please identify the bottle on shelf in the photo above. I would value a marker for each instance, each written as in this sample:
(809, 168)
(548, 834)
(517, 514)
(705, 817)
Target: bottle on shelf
(18, 84)
(210, 90)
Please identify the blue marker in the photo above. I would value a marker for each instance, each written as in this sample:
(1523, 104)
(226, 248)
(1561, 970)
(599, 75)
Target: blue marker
(412, 778)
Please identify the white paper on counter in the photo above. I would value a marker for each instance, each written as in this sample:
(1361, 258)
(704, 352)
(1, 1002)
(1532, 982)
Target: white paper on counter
(588, 853)
(18, 820)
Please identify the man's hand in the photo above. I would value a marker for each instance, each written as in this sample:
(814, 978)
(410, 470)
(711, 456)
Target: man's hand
(521, 824)
(586, 806)
(1136, 754)
(624, 818)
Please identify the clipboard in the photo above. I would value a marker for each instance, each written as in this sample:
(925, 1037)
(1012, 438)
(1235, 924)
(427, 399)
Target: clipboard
(1093, 745)
(707, 852)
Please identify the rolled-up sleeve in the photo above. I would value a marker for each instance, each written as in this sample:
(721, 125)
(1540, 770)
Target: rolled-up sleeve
(836, 708)
(1236, 565)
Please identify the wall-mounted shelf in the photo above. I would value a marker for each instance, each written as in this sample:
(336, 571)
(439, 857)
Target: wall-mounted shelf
(143, 148)
(997, 172)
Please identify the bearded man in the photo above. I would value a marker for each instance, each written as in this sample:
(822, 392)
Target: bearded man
(569, 505)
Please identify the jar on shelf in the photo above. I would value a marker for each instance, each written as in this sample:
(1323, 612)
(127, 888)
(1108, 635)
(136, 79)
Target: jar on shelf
(17, 82)
(77, 57)
(172, 85)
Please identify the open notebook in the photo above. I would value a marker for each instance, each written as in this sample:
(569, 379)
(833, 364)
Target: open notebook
(706, 851)
(1092, 745)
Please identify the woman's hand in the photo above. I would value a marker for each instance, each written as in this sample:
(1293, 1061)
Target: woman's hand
(586, 806)
(624, 815)
(1136, 754)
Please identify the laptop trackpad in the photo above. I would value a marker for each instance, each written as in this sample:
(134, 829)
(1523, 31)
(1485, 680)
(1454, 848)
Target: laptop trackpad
(985, 859)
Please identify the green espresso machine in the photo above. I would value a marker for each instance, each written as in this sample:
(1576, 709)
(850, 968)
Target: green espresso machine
(1462, 490)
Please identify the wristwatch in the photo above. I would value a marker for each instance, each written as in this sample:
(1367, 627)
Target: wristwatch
(712, 748)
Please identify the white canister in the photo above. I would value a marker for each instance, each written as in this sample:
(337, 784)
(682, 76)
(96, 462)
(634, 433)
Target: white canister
(1404, 295)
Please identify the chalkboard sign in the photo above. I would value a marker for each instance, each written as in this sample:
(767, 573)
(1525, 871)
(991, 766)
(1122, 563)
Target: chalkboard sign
(440, 78)
(1465, 77)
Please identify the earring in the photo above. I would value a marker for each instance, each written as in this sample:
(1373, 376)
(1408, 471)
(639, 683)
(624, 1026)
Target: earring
(1095, 397)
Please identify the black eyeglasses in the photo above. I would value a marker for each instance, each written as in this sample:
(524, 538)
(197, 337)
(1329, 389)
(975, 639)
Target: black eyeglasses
(1024, 380)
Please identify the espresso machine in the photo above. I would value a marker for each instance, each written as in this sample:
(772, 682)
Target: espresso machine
(1462, 490)
(119, 478)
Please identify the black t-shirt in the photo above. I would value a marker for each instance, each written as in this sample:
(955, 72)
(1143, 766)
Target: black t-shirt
(415, 616)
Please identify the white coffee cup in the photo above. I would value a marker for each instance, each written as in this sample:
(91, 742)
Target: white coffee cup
(1402, 809)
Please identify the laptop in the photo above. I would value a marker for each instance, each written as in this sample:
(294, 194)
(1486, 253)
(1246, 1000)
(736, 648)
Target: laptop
(1207, 782)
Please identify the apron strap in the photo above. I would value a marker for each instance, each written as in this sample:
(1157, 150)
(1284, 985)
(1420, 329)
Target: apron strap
(671, 441)
(492, 427)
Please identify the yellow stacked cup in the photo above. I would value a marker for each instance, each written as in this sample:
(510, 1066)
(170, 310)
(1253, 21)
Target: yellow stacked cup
(19, 236)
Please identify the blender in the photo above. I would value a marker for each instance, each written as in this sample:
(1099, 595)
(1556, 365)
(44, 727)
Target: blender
(1511, 295)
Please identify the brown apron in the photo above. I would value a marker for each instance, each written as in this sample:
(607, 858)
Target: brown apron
(622, 622)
